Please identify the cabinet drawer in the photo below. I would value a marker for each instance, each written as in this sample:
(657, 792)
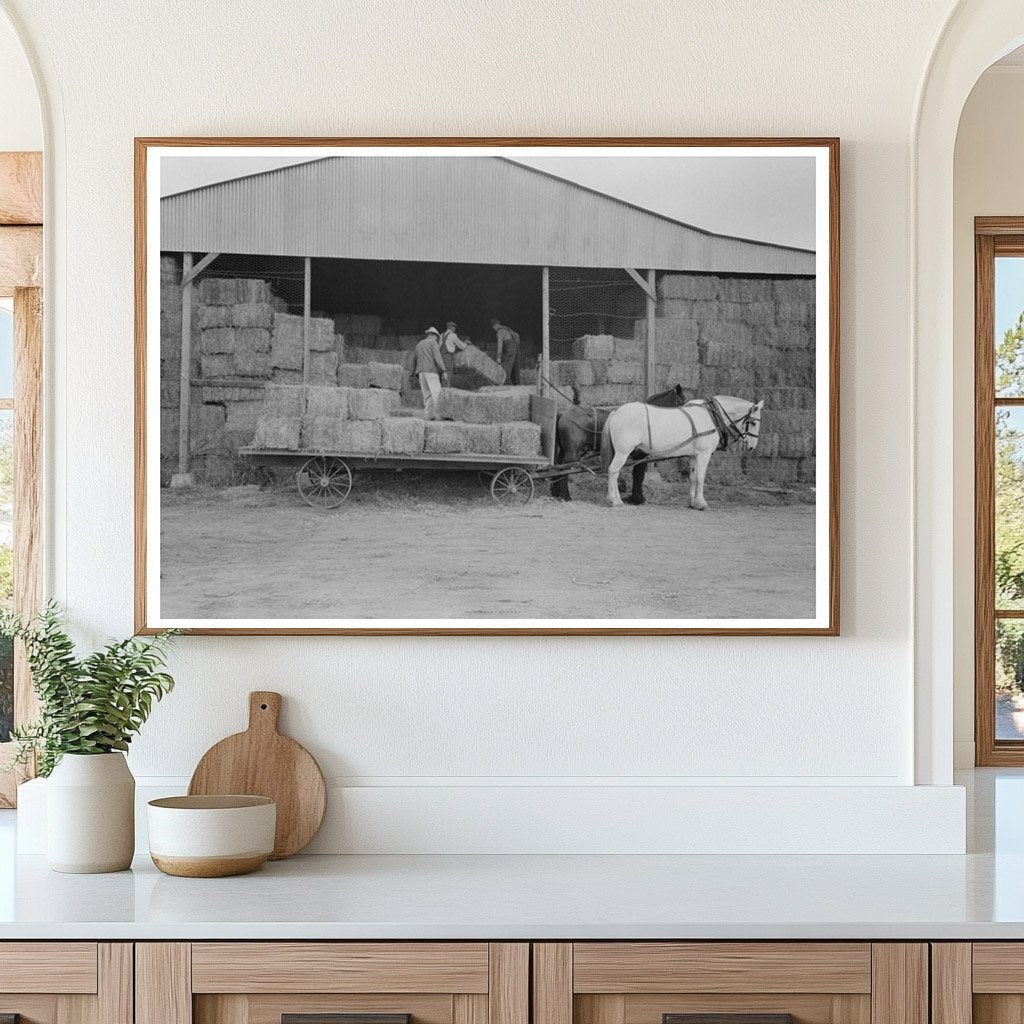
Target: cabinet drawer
(635, 967)
(333, 983)
(65, 967)
(730, 983)
(340, 967)
(66, 982)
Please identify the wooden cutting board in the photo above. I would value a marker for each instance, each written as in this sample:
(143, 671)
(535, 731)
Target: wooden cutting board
(262, 762)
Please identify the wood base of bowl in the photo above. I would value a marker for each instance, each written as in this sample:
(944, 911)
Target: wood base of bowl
(209, 867)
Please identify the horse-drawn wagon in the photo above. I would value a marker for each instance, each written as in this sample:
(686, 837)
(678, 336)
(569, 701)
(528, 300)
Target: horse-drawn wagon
(324, 479)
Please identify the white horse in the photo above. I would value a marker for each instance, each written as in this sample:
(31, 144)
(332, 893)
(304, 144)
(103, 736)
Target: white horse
(690, 429)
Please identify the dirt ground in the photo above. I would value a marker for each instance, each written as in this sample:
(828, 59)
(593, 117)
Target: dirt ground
(437, 546)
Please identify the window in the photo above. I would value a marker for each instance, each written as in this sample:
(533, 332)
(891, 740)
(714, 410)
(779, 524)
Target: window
(999, 491)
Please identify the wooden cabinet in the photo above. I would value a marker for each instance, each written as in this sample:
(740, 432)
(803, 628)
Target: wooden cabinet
(978, 983)
(754, 982)
(263, 982)
(66, 982)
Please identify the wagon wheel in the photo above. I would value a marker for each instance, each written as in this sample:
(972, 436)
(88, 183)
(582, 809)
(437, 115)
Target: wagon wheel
(512, 486)
(483, 478)
(324, 482)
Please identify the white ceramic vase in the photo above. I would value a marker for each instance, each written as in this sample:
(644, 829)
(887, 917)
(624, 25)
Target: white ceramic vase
(90, 814)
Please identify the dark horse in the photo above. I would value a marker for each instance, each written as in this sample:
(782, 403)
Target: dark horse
(578, 433)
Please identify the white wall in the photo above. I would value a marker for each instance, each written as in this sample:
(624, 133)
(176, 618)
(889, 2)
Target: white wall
(430, 716)
(987, 181)
(21, 126)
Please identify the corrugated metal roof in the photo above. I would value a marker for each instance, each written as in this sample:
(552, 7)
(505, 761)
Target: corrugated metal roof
(465, 209)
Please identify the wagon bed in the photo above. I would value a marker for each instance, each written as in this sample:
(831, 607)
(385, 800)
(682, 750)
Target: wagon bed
(324, 478)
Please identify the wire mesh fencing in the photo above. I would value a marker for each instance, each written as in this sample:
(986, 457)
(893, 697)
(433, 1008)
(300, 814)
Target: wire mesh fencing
(592, 302)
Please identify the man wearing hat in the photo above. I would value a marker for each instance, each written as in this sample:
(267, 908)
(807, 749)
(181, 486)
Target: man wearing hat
(451, 346)
(508, 350)
(429, 366)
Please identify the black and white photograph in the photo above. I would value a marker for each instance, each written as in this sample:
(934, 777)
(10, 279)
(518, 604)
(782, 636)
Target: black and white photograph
(454, 386)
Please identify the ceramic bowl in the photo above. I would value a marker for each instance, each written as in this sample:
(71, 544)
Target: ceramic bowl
(211, 836)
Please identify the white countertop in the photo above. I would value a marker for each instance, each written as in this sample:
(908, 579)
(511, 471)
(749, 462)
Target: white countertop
(516, 897)
(977, 896)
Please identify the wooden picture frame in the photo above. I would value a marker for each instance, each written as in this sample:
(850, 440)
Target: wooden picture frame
(824, 621)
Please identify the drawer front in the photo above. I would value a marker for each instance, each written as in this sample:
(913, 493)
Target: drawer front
(66, 982)
(755, 967)
(340, 967)
(64, 967)
(730, 983)
(333, 983)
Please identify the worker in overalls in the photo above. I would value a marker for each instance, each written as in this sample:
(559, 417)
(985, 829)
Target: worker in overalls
(451, 346)
(508, 350)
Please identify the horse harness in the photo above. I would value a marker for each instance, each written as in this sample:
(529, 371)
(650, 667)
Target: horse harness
(726, 428)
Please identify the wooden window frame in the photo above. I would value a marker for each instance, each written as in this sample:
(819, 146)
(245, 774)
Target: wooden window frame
(21, 273)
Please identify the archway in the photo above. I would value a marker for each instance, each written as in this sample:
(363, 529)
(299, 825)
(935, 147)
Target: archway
(976, 34)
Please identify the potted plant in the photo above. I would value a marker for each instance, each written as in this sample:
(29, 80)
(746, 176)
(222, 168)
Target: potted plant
(89, 710)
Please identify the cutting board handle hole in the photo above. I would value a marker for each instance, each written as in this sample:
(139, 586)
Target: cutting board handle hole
(263, 707)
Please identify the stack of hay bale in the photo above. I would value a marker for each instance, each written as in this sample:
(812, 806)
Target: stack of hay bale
(604, 370)
(317, 418)
(287, 347)
(363, 420)
(491, 422)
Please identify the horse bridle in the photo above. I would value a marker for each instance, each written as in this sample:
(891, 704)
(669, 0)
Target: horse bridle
(732, 426)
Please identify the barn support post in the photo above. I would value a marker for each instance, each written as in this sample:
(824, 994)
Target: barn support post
(183, 478)
(652, 312)
(649, 287)
(307, 274)
(545, 338)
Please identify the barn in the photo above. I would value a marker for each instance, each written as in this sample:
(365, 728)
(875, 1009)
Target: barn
(357, 255)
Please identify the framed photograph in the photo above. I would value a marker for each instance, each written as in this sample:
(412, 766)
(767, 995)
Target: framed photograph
(487, 386)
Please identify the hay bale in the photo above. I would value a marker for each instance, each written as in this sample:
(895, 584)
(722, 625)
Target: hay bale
(631, 349)
(402, 435)
(208, 317)
(326, 402)
(286, 346)
(594, 346)
(519, 396)
(610, 394)
(481, 406)
(234, 340)
(372, 403)
(359, 436)
(452, 404)
(249, 290)
(386, 375)
(283, 400)
(727, 332)
(242, 417)
(278, 432)
(323, 434)
(483, 438)
(793, 289)
(622, 372)
(687, 286)
(217, 340)
(238, 364)
(473, 360)
(353, 375)
(218, 291)
(441, 437)
(323, 368)
(520, 438)
(252, 314)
